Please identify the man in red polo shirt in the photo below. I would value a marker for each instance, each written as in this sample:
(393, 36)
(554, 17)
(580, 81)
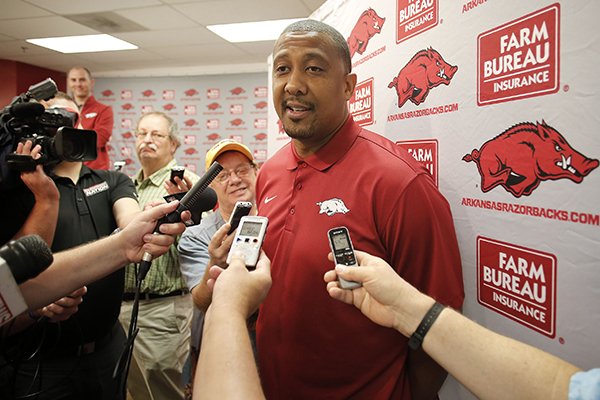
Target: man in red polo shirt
(94, 115)
(335, 173)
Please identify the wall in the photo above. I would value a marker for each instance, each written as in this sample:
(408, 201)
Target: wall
(16, 77)
(498, 99)
(207, 109)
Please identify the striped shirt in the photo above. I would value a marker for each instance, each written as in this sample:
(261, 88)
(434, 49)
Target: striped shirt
(164, 275)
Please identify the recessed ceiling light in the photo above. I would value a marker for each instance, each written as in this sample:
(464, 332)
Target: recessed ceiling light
(83, 44)
(252, 31)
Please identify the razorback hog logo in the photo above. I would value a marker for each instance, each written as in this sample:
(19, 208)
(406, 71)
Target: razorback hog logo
(260, 136)
(190, 122)
(236, 122)
(332, 206)
(127, 106)
(427, 69)
(107, 93)
(260, 105)
(526, 154)
(213, 136)
(147, 93)
(191, 92)
(190, 150)
(237, 90)
(213, 106)
(169, 106)
(368, 24)
(127, 135)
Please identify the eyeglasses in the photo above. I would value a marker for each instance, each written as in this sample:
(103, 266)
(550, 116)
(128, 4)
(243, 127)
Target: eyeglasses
(155, 136)
(241, 172)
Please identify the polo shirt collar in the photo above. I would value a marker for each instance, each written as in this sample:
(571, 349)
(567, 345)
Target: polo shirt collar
(332, 151)
(156, 178)
(85, 170)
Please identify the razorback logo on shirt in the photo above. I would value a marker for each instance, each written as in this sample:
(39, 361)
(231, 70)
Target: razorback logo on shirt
(91, 115)
(332, 206)
(98, 188)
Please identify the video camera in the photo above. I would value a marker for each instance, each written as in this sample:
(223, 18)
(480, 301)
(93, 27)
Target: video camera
(53, 129)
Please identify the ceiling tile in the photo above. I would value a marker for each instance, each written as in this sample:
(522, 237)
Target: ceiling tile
(158, 18)
(42, 27)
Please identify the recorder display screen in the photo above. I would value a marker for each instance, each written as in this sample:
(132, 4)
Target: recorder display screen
(340, 241)
(250, 228)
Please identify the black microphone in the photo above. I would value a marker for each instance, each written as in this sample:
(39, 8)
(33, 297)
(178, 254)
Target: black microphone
(26, 110)
(194, 199)
(26, 257)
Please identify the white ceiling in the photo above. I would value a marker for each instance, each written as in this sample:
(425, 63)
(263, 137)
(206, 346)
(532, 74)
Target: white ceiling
(171, 34)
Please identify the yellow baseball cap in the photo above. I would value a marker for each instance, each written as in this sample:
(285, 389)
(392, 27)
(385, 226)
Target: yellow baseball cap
(226, 145)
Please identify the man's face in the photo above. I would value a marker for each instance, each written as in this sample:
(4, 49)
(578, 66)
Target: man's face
(79, 83)
(310, 86)
(235, 188)
(153, 143)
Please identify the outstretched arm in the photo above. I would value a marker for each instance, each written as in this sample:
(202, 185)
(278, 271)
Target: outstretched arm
(490, 365)
(108, 254)
(226, 368)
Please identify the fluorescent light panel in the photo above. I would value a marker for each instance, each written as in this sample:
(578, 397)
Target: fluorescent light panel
(83, 44)
(252, 31)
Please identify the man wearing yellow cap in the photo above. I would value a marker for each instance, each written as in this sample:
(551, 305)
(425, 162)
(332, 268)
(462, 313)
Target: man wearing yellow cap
(207, 244)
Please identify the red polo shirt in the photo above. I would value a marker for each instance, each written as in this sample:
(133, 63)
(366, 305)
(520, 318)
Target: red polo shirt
(99, 117)
(311, 346)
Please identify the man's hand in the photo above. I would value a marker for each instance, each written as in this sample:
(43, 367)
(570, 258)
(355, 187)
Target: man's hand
(180, 185)
(42, 187)
(62, 309)
(237, 289)
(383, 295)
(219, 246)
(138, 238)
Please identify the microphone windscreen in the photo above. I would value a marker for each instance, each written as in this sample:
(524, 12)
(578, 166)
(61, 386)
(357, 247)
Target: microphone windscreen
(26, 110)
(26, 257)
(192, 197)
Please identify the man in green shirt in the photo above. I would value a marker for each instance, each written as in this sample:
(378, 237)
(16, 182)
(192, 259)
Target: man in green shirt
(165, 308)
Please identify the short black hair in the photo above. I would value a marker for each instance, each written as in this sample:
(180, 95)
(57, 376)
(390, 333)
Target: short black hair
(311, 25)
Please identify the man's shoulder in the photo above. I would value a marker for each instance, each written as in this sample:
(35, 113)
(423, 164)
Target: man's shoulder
(91, 102)
(386, 148)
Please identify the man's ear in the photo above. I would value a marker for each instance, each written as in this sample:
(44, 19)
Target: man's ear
(350, 85)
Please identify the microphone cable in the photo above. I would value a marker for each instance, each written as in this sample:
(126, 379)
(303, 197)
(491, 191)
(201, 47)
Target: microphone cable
(199, 195)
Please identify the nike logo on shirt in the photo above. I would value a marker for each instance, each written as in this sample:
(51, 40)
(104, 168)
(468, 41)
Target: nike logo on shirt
(268, 199)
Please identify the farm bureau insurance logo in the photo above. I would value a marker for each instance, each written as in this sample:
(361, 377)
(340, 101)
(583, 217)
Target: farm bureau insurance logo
(519, 59)
(414, 17)
(361, 103)
(424, 151)
(517, 282)
(526, 154)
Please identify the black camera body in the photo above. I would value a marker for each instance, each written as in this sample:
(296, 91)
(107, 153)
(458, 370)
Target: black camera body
(53, 129)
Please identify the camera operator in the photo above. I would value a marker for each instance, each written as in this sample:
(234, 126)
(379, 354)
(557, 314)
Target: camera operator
(74, 358)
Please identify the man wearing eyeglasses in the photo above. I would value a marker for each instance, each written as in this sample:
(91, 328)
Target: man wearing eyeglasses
(165, 308)
(207, 244)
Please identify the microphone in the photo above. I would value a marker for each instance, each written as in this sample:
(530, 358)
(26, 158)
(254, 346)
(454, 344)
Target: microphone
(26, 257)
(26, 110)
(20, 260)
(197, 198)
(194, 199)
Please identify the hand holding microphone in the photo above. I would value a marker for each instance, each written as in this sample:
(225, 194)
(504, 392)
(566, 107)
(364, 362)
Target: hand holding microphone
(199, 198)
